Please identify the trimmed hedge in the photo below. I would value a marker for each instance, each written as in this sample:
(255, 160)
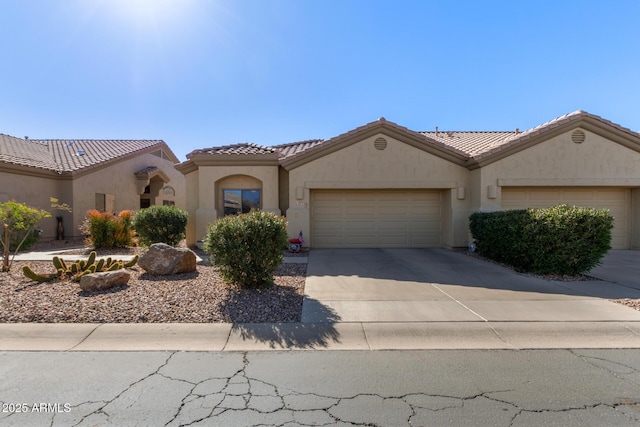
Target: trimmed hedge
(160, 224)
(247, 248)
(561, 239)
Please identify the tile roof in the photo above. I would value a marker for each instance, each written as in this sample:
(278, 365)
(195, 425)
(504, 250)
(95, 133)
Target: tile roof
(465, 144)
(293, 148)
(148, 170)
(522, 137)
(470, 142)
(25, 152)
(242, 148)
(65, 155)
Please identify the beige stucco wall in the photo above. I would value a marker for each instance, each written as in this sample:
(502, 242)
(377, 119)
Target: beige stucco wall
(119, 180)
(561, 162)
(193, 186)
(361, 165)
(36, 191)
(206, 203)
(635, 218)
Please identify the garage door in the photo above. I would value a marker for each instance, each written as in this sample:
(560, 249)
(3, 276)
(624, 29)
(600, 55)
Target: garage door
(617, 200)
(375, 218)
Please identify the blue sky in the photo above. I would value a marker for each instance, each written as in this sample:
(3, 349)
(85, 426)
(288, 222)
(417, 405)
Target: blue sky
(202, 73)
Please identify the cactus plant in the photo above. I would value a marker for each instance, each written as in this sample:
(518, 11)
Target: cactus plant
(132, 262)
(30, 274)
(75, 270)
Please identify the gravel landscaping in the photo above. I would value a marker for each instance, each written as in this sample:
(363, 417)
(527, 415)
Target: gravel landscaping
(196, 297)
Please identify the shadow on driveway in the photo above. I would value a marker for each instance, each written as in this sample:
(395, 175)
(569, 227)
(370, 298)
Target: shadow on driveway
(294, 335)
(395, 268)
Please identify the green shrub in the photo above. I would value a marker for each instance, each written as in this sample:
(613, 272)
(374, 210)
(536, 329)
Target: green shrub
(247, 248)
(107, 231)
(21, 221)
(560, 239)
(31, 239)
(160, 224)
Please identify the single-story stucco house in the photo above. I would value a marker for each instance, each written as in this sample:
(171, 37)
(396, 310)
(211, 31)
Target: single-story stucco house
(383, 185)
(107, 175)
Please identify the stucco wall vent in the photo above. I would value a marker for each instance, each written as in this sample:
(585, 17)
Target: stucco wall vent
(380, 143)
(578, 136)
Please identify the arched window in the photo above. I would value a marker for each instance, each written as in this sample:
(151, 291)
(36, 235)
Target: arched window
(168, 196)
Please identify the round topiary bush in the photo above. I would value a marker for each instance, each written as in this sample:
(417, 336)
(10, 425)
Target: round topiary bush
(247, 248)
(160, 224)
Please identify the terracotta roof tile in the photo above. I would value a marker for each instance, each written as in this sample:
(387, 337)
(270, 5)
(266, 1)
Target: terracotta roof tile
(470, 142)
(293, 148)
(521, 137)
(25, 152)
(243, 148)
(147, 170)
(289, 151)
(64, 155)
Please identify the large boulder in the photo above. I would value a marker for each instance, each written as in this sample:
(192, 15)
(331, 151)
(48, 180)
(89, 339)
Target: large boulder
(162, 259)
(104, 280)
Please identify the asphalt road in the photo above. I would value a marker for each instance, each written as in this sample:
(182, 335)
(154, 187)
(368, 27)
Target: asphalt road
(386, 388)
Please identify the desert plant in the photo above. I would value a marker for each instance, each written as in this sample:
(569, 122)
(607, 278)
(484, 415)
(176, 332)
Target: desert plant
(19, 222)
(160, 224)
(75, 270)
(247, 248)
(560, 239)
(108, 231)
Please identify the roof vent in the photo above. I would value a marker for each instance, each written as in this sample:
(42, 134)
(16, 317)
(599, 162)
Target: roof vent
(380, 143)
(578, 136)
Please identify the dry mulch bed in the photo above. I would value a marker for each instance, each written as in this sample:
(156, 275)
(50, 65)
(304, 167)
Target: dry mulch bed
(196, 297)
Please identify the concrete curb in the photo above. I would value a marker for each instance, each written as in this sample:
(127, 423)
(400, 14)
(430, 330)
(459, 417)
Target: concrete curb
(317, 336)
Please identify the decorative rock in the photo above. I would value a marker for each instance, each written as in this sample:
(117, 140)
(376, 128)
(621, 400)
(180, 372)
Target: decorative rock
(104, 280)
(162, 259)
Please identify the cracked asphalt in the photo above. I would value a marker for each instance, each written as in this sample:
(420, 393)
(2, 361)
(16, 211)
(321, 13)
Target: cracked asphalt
(311, 388)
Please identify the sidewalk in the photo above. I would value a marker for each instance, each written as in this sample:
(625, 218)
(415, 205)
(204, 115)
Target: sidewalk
(317, 336)
(48, 256)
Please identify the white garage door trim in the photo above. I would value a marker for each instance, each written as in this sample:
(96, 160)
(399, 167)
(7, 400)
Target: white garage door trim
(617, 200)
(376, 218)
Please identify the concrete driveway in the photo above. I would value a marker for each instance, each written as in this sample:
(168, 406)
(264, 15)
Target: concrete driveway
(439, 285)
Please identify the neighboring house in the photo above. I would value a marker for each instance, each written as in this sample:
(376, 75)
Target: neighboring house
(382, 185)
(107, 175)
